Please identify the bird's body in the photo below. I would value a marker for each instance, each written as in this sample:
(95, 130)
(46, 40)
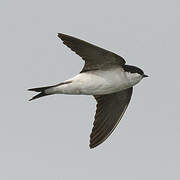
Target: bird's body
(105, 76)
(97, 82)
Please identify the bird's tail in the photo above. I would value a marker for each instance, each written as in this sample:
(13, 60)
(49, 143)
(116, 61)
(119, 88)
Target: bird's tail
(42, 91)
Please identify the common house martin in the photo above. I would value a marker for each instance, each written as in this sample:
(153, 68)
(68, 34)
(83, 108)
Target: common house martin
(106, 77)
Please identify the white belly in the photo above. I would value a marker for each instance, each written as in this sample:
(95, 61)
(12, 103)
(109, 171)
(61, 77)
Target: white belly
(96, 83)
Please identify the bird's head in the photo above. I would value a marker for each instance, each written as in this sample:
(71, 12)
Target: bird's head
(134, 73)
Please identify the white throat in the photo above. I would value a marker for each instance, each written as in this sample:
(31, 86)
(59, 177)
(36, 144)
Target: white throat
(133, 78)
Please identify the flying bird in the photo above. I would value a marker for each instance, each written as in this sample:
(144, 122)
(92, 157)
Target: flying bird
(105, 76)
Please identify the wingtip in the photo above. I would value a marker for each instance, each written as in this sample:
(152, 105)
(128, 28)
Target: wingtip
(60, 35)
(92, 146)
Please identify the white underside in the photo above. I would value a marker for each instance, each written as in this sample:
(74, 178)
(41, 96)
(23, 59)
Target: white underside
(98, 82)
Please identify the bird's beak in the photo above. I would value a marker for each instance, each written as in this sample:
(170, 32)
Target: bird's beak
(144, 75)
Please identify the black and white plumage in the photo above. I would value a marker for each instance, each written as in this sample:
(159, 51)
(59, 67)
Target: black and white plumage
(105, 76)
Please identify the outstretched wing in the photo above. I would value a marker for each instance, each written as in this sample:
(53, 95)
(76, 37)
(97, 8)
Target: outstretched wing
(110, 109)
(94, 56)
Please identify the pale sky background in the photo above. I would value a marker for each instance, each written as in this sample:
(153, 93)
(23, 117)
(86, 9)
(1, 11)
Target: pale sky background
(48, 139)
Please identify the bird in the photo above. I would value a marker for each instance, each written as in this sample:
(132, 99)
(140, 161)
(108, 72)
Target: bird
(106, 77)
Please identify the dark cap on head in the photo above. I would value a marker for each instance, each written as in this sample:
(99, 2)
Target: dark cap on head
(134, 69)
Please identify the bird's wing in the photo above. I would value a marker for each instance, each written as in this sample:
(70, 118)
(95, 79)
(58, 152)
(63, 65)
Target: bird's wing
(94, 56)
(110, 109)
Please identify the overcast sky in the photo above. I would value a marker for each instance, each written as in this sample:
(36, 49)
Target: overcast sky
(48, 138)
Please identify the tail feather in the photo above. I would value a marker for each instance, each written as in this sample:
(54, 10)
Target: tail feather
(38, 96)
(41, 90)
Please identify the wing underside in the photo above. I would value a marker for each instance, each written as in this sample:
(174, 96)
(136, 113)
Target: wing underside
(110, 109)
(94, 56)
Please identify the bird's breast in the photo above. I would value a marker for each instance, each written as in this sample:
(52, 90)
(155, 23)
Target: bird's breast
(99, 82)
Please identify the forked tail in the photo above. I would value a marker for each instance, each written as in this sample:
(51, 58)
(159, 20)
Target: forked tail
(42, 91)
